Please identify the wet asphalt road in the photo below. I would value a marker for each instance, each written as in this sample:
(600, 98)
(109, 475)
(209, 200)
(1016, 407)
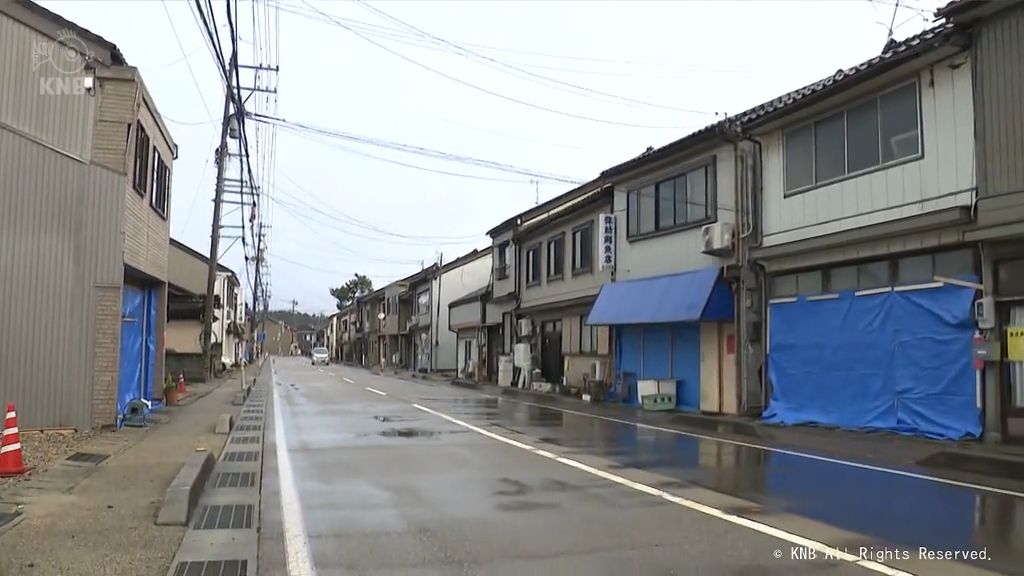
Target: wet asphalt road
(384, 487)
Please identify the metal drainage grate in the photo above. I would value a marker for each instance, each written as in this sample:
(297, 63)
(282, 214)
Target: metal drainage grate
(248, 456)
(245, 439)
(87, 457)
(228, 517)
(247, 428)
(212, 568)
(234, 480)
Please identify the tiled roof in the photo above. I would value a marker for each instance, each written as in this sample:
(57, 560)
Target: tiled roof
(896, 54)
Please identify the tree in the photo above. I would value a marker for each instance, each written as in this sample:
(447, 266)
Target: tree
(347, 293)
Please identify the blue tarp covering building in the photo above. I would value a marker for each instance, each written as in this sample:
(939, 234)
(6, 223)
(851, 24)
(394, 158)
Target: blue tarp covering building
(657, 327)
(899, 360)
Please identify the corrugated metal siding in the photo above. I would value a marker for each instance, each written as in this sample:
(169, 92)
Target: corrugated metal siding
(31, 104)
(999, 93)
(60, 224)
(929, 184)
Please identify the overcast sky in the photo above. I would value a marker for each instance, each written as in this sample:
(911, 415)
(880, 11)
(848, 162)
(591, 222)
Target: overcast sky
(650, 72)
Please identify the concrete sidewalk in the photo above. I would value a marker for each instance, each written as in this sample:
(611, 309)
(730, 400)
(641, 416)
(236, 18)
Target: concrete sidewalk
(1000, 466)
(104, 524)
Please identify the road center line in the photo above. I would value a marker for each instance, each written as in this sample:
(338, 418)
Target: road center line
(684, 502)
(375, 391)
(349, 380)
(780, 450)
(296, 545)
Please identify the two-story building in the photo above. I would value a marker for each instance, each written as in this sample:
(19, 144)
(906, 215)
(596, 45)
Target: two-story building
(868, 189)
(415, 306)
(452, 281)
(669, 241)
(85, 173)
(372, 306)
(996, 31)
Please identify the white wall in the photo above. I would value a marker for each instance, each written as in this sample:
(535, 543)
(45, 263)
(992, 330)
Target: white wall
(942, 178)
(452, 285)
(675, 251)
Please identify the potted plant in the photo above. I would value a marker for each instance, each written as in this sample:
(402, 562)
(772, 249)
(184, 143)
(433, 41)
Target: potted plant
(170, 391)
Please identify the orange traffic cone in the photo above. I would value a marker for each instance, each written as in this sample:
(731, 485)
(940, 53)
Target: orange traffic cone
(10, 446)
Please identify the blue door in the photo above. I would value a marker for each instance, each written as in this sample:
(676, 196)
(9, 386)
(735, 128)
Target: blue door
(686, 365)
(131, 373)
(654, 352)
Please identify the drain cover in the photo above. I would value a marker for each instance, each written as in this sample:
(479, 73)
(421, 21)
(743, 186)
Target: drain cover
(229, 517)
(212, 568)
(247, 427)
(240, 456)
(245, 439)
(234, 480)
(87, 457)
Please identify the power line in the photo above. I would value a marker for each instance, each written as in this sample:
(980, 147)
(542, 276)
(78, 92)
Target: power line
(480, 88)
(195, 82)
(470, 53)
(411, 149)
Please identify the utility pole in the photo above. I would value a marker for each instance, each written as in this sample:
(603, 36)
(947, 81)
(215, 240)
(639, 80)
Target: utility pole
(536, 191)
(218, 196)
(294, 303)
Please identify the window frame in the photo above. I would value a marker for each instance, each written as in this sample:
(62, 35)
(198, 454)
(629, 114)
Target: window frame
(535, 249)
(141, 171)
(160, 185)
(554, 240)
(844, 109)
(710, 166)
(501, 269)
(594, 338)
(419, 311)
(589, 268)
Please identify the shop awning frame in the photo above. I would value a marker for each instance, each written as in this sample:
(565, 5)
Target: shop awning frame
(692, 296)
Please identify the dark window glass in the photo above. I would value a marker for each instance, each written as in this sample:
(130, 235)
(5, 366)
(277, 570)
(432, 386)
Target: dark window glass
(914, 270)
(532, 265)
(873, 275)
(842, 279)
(680, 204)
(666, 204)
(633, 209)
(648, 203)
(899, 120)
(862, 136)
(808, 283)
(696, 195)
(582, 248)
(955, 264)
(830, 148)
(1010, 278)
(556, 257)
(784, 286)
(799, 158)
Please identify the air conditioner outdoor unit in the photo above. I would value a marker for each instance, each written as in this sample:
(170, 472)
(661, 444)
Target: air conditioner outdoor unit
(525, 327)
(717, 239)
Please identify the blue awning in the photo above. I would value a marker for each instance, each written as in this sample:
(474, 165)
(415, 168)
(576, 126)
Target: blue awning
(687, 297)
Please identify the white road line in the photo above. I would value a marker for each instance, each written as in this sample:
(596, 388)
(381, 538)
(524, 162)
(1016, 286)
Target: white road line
(320, 370)
(331, 374)
(787, 452)
(349, 380)
(819, 547)
(296, 544)
(375, 391)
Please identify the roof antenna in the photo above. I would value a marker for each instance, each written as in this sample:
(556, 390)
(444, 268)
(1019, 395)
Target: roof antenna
(890, 42)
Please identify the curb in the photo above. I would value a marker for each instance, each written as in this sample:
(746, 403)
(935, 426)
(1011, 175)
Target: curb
(465, 384)
(183, 493)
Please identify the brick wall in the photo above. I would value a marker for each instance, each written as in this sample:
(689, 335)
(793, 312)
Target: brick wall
(106, 348)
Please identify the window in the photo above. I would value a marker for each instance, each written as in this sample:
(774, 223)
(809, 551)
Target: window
(161, 185)
(588, 337)
(915, 270)
(842, 279)
(684, 200)
(806, 283)
(873, 275)
(873, 133)
(556, 257)
(955, 264)
(501, 270)
(141, 166)
(533, 266)
(551, 326)
(582, 248)
(423, 301)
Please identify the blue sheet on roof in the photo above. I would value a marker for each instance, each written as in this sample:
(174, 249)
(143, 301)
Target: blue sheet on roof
(688, 297)
(897, 361)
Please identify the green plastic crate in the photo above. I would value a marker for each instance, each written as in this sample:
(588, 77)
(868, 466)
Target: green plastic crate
(658, 402)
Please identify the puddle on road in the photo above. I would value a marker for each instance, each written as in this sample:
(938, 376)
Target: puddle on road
(408, 433)
(394, 418)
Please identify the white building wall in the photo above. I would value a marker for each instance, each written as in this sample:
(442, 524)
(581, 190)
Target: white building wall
(452, 285)
(943, 177)
(676, 251)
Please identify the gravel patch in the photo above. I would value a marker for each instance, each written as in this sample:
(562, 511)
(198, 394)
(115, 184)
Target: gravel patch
(41, 450)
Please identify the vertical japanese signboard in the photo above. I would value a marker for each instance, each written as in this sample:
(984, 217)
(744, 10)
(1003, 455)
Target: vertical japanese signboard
(607, 241)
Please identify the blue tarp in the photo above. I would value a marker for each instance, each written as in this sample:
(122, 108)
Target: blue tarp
(130, 374)
(897, 361)
(152, 301)
(688, 297)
